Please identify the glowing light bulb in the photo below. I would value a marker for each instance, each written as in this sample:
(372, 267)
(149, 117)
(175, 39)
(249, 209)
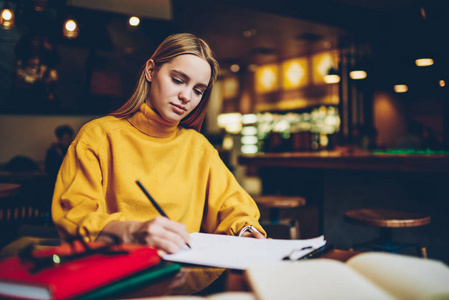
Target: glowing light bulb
(400, 88)
(70, 25)
(7, 18)
(134, 21)
(7, 14)
(332, 78)
(71, 29)
(357, 74)
(424, 62)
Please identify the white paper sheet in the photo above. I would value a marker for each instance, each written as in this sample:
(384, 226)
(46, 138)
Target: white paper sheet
(233, 252)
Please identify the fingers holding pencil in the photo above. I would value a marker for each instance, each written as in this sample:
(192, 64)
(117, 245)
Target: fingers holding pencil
(164, 234)
(161, 211)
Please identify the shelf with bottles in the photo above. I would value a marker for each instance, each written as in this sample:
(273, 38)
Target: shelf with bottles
(307, 130)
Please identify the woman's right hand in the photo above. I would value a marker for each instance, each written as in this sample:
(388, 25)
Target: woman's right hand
(162, 233)
(166, 235)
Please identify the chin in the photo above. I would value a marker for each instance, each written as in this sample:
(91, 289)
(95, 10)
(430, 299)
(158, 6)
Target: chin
(174, 119)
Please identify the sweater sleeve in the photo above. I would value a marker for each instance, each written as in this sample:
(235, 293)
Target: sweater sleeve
(229, 207)
(79, 205)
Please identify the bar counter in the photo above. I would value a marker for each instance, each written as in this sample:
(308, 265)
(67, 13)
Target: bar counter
(435, 163)
(333, 182)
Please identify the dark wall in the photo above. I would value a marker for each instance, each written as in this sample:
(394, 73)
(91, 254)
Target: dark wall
(96, 72)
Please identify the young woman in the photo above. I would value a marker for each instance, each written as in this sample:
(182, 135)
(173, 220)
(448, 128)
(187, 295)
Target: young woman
(154, 138)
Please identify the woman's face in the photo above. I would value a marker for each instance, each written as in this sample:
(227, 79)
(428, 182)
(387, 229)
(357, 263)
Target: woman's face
(178, 86)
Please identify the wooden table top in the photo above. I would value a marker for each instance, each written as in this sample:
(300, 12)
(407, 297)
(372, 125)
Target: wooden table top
(387, 218)
(275, 201)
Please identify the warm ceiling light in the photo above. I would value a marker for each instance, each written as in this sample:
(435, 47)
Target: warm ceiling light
(400, 88)
(249, 33)
(235, 68)
(357, 74)
(442, 83)
(294, 73)
(424, 62)
(70, 29)
(134, 21)
(332, 76)
(331, 79)
(230, 87)
(267, 78)
(6, 17)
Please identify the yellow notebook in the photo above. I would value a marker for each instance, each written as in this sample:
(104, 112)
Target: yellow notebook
(365, 276)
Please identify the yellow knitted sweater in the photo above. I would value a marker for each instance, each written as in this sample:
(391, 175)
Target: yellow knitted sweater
(179, 167)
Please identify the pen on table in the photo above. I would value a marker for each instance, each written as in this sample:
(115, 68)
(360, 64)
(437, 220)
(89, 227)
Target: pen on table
(318, 252)
(159, 209)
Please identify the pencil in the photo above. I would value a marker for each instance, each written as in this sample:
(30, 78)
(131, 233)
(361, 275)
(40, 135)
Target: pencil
(159, 209)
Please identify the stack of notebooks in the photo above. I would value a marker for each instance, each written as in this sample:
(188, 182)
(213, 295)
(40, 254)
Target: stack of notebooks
(67, 271)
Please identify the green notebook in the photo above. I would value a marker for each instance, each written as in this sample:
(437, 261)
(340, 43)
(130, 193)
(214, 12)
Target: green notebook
(160, 271)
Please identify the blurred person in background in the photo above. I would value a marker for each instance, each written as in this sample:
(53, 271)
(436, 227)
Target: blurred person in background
(57, 151)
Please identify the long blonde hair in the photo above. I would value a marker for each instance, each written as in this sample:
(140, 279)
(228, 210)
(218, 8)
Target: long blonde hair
(172, 46)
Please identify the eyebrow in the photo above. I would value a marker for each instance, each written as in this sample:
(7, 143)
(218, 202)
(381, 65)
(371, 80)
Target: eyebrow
(187, 78)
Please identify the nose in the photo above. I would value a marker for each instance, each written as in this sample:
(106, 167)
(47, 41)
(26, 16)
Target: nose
(184, 95)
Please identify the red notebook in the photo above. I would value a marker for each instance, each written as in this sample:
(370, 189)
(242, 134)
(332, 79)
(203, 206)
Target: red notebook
(74, 277)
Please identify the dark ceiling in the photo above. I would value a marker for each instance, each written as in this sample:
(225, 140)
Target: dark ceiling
(386, 35)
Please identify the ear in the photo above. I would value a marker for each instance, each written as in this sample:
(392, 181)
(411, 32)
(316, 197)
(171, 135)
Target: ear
(149, 70)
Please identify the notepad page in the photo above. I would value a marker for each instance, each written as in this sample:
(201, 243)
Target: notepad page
(406, 277)
(233, 252)
(316, 279)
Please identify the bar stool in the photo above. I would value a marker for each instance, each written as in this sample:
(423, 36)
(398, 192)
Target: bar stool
(277, 206)
(9, 211)
(386, 220)
(7, 191)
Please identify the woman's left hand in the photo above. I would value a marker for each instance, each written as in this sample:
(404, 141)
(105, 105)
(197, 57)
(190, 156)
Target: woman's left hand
(254, 234)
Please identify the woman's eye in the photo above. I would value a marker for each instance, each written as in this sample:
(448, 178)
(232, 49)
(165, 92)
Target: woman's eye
(176, 80)
(198, 92)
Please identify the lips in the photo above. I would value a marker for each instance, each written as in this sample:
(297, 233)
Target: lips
(178, 108)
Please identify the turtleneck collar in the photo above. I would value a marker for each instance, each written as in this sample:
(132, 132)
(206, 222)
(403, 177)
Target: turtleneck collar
(149, 122)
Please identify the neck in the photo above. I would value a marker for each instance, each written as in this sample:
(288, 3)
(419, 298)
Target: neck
(151, 123)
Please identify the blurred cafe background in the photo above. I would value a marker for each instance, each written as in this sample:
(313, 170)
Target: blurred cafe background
(342, 102)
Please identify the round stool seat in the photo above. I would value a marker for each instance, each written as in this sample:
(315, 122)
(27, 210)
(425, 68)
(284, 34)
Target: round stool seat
(273, 201)
(387, 218)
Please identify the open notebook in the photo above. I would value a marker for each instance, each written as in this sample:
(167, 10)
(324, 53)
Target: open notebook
(365, 276)
(234, 252)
